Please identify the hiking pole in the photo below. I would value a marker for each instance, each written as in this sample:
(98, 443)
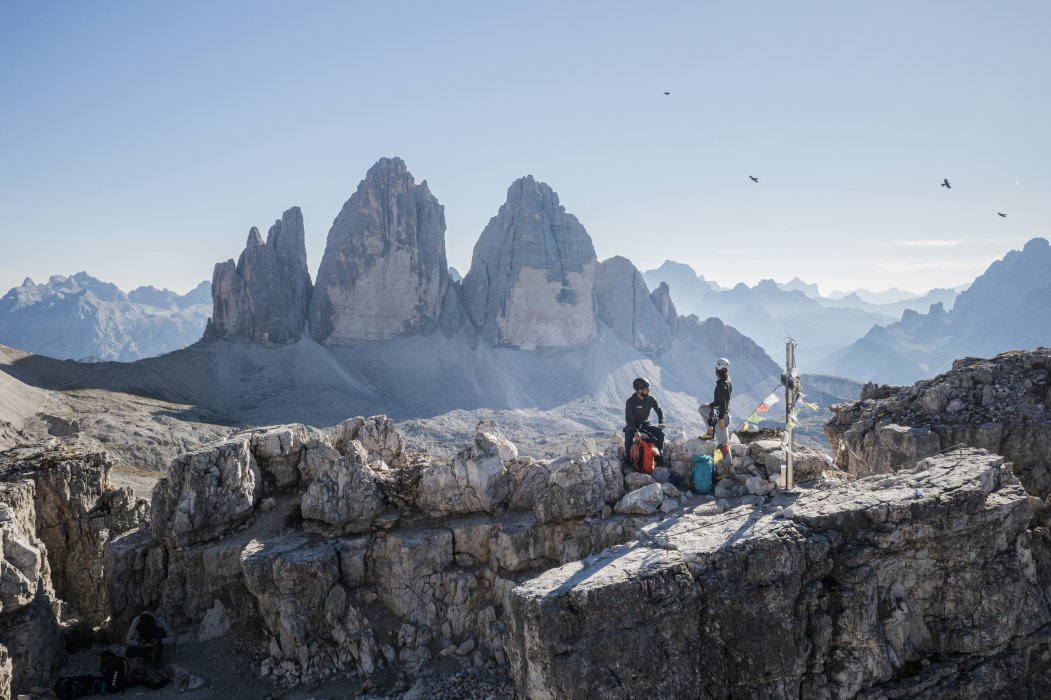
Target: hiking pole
(789, 395)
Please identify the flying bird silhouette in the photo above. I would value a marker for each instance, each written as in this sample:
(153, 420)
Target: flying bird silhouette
(1002, 214)
(945, 184)
(667, 93)
(753, 179)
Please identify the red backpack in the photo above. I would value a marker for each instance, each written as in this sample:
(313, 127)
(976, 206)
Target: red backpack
(643, 453)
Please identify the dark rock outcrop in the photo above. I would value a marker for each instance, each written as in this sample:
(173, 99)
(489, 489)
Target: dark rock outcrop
(57, 515)
(532, 273)
(384, 274)
(265, 296)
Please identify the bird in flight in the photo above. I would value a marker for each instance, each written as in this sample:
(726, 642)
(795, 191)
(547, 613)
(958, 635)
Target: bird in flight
(945, 183)
(1002, 215)
(666, 92)
(753, 179)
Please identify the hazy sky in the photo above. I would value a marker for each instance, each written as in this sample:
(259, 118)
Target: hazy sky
(140, 141)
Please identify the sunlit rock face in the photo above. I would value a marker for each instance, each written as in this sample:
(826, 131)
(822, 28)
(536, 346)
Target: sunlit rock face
(533, 273)
(384, 274)
(264, 297)
(846, 596)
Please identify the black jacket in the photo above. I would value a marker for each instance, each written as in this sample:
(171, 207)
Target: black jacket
(637, 411)
(721, 402)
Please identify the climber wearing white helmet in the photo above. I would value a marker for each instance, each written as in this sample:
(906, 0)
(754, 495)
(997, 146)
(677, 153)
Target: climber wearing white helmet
(717, 413)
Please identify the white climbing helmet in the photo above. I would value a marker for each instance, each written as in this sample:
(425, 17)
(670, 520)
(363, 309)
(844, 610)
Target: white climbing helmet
(722, 363)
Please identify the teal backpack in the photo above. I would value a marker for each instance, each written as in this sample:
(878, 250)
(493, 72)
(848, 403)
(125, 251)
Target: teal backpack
(702, 474)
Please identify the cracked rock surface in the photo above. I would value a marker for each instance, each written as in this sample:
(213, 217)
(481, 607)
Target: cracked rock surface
(866, 584)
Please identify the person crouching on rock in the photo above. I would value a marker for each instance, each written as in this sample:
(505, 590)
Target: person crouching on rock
(146, 638)
(637, 417)
(717, 413)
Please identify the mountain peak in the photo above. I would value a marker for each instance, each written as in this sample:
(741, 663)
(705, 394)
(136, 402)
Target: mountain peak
(254, 239)
(532, 272)
(264, 296)
(384, 166)
(386, 245)
(1035, 246)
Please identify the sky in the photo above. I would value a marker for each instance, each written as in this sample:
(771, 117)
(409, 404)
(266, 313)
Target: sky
(140, 141)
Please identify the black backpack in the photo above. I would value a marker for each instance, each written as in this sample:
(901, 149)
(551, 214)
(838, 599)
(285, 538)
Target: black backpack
(145, 677)
(71, 687)
(114, 671)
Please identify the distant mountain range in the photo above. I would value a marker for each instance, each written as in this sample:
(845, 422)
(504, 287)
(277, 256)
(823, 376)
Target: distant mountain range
(897, 338)
(770, 313)
(534, 285)
(83, 318)
(1008, 307)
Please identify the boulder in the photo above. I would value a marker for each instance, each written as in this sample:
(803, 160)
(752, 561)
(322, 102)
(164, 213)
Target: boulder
(207, 493)
(376, 434)
(576, 489)
(215, 624)
(636, 480)
(344, 494)
(644, 501)
(476, 480)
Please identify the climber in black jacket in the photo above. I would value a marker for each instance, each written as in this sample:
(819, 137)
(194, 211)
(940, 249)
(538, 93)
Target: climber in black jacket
(637, 416)
(717, 413)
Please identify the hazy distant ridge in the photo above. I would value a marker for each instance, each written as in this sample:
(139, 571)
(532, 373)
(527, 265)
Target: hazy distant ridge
(81, 317)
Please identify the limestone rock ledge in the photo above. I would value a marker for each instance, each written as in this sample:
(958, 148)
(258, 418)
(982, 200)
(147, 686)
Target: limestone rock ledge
(1001, 404)
(919, 583)
(57, 515)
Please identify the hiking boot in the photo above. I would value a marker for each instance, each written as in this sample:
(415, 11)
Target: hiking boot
(706, 436)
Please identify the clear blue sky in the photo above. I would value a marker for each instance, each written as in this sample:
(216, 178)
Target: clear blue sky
(140, 141)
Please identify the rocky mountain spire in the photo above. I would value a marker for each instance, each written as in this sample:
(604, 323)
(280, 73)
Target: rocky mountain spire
(531, 277)
(625, 305)
(662, 300)
(384, 273)
(265, 296)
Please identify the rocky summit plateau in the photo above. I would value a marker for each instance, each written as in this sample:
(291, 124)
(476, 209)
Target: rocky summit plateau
(342, 563)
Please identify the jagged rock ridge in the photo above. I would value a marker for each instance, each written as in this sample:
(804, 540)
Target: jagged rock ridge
(82, 318)
(265, 296)
(1002, 405)
(1005, 308)
(623, 303)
